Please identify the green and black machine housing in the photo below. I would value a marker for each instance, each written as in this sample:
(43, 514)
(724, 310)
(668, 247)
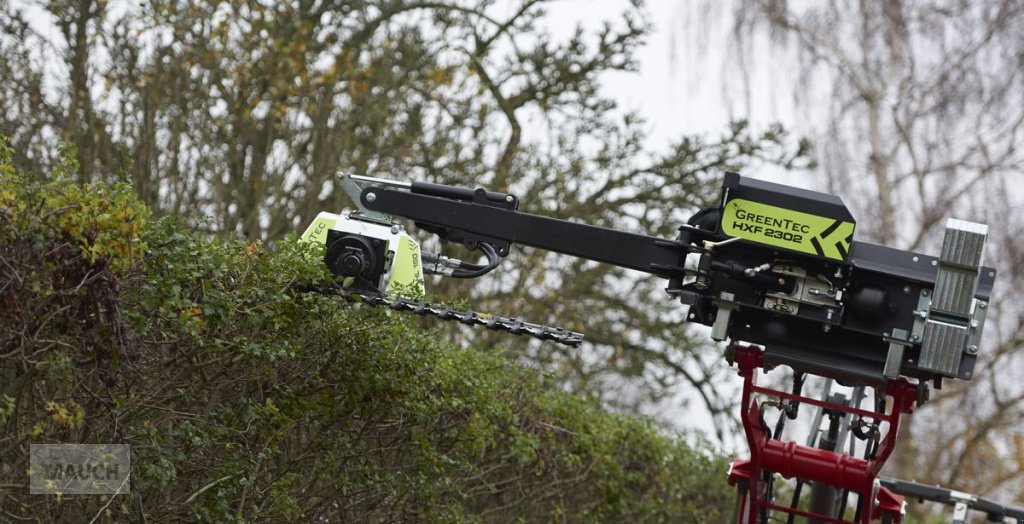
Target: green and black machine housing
(772, 265)
(782, 270)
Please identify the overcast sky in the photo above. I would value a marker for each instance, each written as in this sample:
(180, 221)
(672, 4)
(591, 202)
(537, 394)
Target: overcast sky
(689, 81)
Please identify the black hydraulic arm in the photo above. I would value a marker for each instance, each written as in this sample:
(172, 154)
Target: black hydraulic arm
(996, 512)
(479, 214)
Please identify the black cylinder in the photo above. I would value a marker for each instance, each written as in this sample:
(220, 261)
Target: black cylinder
(870, 304)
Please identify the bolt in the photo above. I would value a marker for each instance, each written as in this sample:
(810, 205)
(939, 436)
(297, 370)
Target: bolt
(915, 337)
(906, 289)
(925, 293)
(967, 374)
(510, 199)
(983, 305)
(972, 349)
(371, 197)
(394, 230)
(353, 262)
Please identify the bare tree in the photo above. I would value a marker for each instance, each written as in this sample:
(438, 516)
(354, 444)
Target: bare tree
(916, 116)
(244, 111)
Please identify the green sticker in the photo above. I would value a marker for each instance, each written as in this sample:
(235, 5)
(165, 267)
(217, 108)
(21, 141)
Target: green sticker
(407, 269)
(317, 231)
(785, 228)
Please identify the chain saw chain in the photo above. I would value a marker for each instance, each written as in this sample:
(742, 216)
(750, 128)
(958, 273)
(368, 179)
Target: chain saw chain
(470, 318)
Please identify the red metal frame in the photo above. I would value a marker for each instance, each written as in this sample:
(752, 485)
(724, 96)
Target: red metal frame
(790, 459)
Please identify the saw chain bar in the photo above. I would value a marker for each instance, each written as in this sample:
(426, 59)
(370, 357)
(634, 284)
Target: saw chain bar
(471, 318)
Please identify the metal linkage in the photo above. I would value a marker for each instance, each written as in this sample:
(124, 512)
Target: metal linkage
(470, 318)
(961, 502)
(791, 460)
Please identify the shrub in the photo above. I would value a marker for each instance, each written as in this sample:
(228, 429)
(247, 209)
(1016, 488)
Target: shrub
(244, 400)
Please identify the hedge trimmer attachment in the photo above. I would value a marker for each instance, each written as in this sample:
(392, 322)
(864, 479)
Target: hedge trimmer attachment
(377, 263)
(772, 269)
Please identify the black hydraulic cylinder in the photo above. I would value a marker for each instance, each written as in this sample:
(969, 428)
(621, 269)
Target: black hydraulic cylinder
(823, 496)
(629, 250)
(455, 192)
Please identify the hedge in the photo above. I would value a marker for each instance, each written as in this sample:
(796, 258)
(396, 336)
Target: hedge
(244, 400)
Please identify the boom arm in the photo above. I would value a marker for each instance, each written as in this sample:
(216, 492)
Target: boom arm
(481, 219)
(771, 265)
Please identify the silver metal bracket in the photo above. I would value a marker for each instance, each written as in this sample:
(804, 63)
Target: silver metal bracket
(353, 191)
(726, 304)
(898, 341)
(950, 314)
(961, 503)
(980, 311)
(924, 301)
(810, 289)
(960, 513)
